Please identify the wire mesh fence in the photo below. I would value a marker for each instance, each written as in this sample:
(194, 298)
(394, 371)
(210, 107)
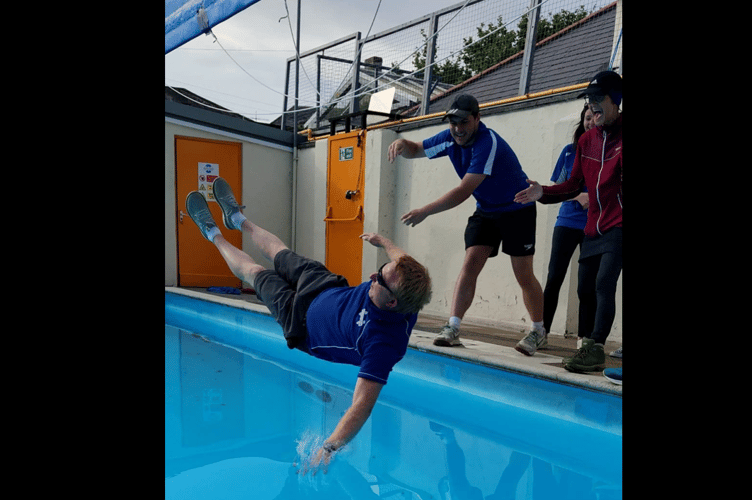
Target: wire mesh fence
(455, 49)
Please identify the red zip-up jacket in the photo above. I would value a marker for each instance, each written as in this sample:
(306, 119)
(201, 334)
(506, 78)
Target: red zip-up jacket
(597, 165)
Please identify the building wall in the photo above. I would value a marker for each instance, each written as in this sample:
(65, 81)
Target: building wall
(310, 234)
(536, 134)
(267, 190)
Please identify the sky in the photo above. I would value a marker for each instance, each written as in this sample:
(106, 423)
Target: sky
(261, 42)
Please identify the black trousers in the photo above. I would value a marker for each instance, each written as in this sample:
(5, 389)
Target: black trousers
(565, 241)
(600, 267)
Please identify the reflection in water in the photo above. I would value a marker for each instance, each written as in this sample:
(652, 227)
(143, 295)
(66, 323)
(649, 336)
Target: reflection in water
(237, 425)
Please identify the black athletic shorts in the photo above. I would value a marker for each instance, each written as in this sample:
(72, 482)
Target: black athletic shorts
(515, 229)
(289, 290)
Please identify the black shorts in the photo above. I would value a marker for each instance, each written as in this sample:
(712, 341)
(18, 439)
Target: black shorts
(289, 290)
(515, 229)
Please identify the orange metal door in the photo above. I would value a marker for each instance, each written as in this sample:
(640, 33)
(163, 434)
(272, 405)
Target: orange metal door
(197, 163)
(344, 214)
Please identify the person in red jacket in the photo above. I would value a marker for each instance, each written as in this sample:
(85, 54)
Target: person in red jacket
(598, 167)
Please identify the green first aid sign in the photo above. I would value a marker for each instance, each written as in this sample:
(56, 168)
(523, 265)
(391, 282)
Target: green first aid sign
(345, 153)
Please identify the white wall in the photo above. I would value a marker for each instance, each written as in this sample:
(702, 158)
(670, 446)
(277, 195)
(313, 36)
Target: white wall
(536, 134)
(311, 210)
(267, 190)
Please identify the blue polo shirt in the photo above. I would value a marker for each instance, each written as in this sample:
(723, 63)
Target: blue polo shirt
(571, 213)
(489, 154)
(344, 326)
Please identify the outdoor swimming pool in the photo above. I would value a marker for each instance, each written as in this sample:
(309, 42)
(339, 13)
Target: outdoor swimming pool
(241, 409)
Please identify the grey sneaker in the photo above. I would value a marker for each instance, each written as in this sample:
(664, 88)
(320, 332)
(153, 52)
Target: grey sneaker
(532, 342)
(448, 337)
(198, 210)
(616, 353)
(223, 194)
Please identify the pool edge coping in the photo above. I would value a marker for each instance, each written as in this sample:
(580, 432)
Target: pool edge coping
(541, 365)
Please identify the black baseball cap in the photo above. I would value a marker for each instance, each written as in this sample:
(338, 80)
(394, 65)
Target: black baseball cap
(604, 83)
(463, 106)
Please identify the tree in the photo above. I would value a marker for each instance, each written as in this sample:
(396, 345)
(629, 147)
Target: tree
(546, 28)
(493, 44)
(498, 44)
(450, 71)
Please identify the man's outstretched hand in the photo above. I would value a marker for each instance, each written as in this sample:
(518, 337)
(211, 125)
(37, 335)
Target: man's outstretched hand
(374, 239)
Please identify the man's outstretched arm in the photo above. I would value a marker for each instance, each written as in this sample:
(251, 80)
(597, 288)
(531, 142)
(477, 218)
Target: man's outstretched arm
(364, 399)
(393, 251)
(447, 201)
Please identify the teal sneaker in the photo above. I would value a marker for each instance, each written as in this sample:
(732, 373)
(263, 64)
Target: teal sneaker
(589, 358)
(225, 198)
(198, 210)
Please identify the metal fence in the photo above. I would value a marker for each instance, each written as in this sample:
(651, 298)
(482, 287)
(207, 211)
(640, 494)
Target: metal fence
(430, 56)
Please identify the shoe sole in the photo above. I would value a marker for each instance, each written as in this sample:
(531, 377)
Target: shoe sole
(225, 218)
(584, 368)
(614, 380)
(524, 351)
(446, 343)
(204, 205)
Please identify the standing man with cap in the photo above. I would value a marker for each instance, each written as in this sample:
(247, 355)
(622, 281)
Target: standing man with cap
(490, 171)
(598, 167)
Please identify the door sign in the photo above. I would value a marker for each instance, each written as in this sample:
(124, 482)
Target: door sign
(207, 172)
(345, 153)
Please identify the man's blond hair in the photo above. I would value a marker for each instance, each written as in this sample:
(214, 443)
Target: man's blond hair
(414, 289)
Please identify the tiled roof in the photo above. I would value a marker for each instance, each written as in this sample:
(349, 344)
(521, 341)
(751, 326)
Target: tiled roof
(185, 96)
(566, 58)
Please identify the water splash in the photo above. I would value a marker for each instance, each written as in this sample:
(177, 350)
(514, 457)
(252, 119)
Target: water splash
(307, 447)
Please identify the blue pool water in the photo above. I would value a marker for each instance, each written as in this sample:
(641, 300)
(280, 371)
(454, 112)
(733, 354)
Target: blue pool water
(242, 411)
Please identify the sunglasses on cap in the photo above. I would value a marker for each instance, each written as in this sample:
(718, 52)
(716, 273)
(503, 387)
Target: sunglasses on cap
(594, 98)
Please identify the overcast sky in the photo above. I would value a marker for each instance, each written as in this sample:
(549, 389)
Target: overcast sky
(261, 44)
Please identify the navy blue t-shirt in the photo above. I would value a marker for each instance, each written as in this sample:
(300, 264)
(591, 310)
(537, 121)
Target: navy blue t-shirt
(344, 326)
(489, 154)
(571, 213)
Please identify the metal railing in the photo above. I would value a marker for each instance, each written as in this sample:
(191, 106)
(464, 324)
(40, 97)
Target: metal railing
(430, 56)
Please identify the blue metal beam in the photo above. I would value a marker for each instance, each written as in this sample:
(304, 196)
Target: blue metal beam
(182, 20)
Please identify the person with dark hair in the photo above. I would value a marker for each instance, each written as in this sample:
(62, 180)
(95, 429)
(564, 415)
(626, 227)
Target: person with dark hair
(368, 325)
(570, 222)
(597, 167)
(489, 171)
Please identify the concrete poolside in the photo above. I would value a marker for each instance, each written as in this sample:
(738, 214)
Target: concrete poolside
(482, 344)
